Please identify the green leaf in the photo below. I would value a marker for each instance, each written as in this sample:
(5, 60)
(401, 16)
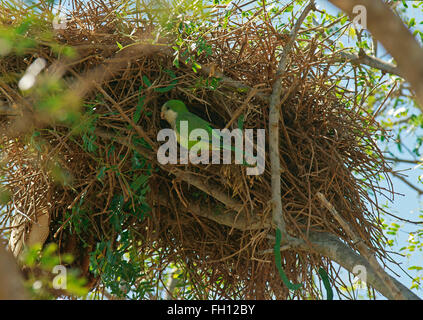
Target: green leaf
(172, 84)
(241, 122)
(278, 261)
(138, 110)
(23, 27)
(165, 89)
(195, 66)
(146, 81)
(142, 142)
(326, 283)
(139, 181)
(176, 61)
(101, 173)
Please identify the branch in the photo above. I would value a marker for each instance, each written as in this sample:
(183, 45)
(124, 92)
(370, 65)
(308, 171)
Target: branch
(408, 183)
(326, 244)
(393, 290)
(404, 160)
(11, 282)
(390, 30)
(213, 190)
(171, 286)
(8, 111)
(274, 114)
(116, 105)
(330, 246)
(370, 61)
(235, 84)
(228, 218)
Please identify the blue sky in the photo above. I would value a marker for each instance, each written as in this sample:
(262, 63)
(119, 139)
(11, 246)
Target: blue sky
(408, 205)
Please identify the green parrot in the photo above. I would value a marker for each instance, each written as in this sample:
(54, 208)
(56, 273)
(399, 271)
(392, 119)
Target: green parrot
(175, 111)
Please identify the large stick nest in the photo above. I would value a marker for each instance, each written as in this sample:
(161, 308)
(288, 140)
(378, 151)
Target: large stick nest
(100, 181)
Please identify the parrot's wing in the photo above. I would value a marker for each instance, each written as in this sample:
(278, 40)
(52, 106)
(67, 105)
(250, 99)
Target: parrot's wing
(195, 122)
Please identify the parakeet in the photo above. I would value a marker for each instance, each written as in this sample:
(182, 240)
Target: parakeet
(177, 115)
(175, 111)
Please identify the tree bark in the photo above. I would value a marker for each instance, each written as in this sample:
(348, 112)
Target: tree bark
(11, 282)
(330, 246)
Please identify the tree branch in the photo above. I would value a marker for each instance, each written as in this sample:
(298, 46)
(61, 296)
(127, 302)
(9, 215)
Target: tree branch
(228, 218)
(369, 61)
(390, 30)
(11, 282)
(330, 246)
(408, 183)
(393, 290)
(274, 118)
(235, 84)
(404, 160)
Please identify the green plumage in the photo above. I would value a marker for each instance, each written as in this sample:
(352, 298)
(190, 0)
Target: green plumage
(175, 111)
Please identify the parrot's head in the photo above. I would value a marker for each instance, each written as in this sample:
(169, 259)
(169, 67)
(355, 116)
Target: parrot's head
(171, 109)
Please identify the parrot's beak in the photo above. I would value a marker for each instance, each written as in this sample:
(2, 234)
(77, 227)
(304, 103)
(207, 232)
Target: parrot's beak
(162, 112)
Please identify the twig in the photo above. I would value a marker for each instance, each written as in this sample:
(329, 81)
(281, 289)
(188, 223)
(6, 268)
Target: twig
(227, 218)
(408, 183)
(137, 128)
(240, 110)
(369, 61)
(235, 84)
(404, 160)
